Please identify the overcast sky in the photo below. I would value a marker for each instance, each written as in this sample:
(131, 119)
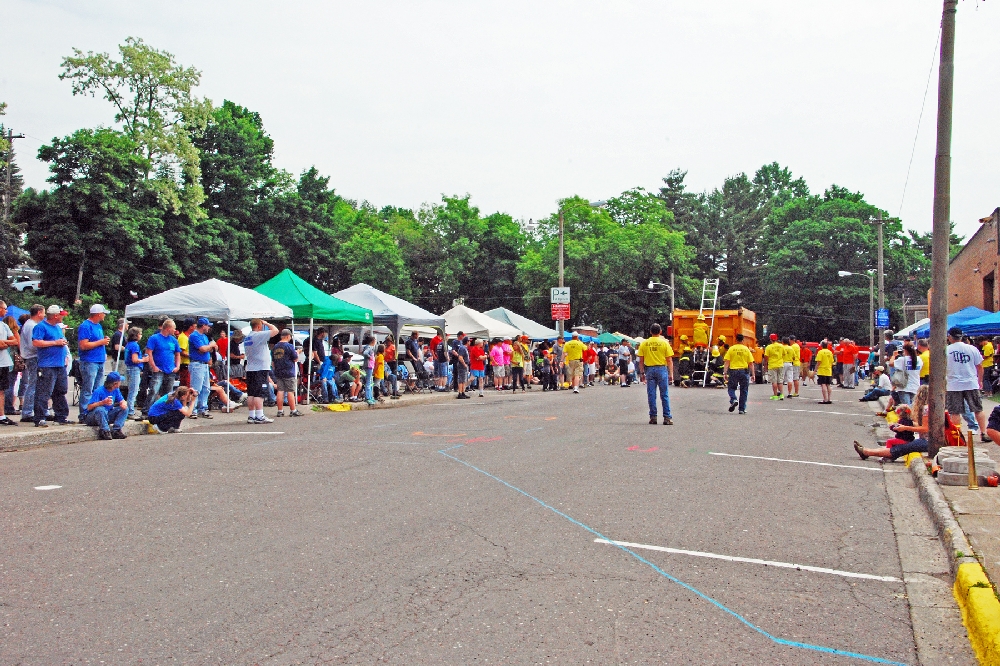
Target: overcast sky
(522, 103)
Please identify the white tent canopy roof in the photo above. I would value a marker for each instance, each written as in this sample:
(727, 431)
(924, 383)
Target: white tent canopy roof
(214, 299)
(532, 329)
(475, 324)
(904, 333)
(389, 310)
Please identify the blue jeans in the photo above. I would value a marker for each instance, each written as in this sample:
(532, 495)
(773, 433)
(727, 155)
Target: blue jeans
(160, 384)
(29, 379)
(91, 375)
(234, 393)
(656, 377)
(738, 379)
(51, 384)
(368, 383)
(875, 394)
(200, 383)
(329, 388)
(101, 416)
(134, 379)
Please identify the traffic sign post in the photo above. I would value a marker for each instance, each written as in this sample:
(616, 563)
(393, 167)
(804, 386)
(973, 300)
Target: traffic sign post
(560, 311)
(882, 318)
(559, 295)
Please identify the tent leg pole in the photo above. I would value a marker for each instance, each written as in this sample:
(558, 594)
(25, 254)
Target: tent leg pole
(295, 375)
(309, 372)
(121, 343)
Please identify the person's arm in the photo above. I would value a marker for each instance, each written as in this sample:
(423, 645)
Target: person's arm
(152, 363)
(39, 343)
(177, 361)
(979, 374)
(189, 402)
(87, 345)
(271, 327)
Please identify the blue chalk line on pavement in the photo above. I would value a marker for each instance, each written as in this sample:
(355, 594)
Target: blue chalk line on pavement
(693, 590)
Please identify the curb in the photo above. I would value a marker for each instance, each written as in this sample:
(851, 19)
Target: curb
(973, 590)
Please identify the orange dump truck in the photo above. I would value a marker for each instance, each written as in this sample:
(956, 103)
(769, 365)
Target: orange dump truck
(727, 323)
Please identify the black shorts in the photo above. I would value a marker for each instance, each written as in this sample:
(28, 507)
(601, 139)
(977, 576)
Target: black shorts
(824, 379)
(4, 379)
(256, 383)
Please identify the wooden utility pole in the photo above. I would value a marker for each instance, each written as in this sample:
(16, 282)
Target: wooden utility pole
(7, 196)
(941, 230)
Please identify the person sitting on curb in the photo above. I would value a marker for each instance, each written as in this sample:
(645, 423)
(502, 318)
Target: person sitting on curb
(898, 447)
(107, 409)
(882, 386)
(167, 413)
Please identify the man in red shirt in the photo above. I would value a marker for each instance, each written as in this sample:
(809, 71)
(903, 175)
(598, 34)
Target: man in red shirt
(590, 363)
(850, 355)
(838, 353)
(477, 364)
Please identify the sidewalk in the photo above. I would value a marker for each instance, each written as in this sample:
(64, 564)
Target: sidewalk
(27, 436)
(969, 521)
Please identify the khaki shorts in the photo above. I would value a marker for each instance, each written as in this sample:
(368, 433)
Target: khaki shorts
(776, 375)
(285, 384)
(796, 372)
(957, 401)
(576, 369)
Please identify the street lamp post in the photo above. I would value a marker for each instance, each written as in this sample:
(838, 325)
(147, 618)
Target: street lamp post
(871, 305)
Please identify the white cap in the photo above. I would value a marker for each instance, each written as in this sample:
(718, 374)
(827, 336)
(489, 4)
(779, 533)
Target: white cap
(97, 308)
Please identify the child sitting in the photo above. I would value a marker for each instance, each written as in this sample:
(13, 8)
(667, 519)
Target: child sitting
(611, 374)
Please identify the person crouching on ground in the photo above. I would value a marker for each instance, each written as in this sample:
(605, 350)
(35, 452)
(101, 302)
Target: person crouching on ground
(107, 409)
(167, 413)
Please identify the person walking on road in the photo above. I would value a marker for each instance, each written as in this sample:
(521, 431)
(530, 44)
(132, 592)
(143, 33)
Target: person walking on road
(775, 353)
(737, 366)
(574, 359)
(824, 372)
(654, 356)
(965, 380)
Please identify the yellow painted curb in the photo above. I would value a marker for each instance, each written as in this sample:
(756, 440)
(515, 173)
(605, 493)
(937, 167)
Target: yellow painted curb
(980, 611)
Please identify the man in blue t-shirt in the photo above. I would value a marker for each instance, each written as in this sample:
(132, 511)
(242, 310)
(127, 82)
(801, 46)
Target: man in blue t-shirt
(107, 408)
(93, 344)
(164, 360)
(48, 338)
(200, 353)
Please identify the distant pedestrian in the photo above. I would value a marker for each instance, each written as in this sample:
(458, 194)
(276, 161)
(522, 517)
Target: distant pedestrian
(574, 358)
(654, 356)
(824, 372)
(737, 368)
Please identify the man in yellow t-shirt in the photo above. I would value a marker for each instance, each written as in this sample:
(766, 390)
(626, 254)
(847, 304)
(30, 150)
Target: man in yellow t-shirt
(574, 359)
(184, 372)
(775, 353)
(654, 355)
(758, 360)
(736, 370)
(988, 365)
(796, 367)
(700, 332)
(824, 371)
(924, 349)
(787, 354)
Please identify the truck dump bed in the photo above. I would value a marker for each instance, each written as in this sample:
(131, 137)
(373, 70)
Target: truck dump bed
(727, 323)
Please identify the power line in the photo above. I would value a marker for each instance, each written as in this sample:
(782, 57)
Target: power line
(923, 104)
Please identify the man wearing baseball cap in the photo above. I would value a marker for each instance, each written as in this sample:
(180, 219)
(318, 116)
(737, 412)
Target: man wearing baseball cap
(108, 409)
(965, 380)
(92, 344)
(200, 356)
(48, 338)
(775, 353)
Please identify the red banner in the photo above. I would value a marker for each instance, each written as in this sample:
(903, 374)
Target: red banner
(560, 311)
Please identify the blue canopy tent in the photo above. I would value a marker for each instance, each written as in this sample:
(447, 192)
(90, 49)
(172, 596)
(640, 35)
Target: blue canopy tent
(955, 319)
(986, 325)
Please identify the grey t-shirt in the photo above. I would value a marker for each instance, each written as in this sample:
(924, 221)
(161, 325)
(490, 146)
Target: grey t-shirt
(6, 360)
(28, 350)
(255, 346)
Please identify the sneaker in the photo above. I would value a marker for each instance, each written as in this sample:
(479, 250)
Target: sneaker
(481, 394)
(774, 397)
(370, 402)
(103, 434)
(732, 406)
(171, 431)
(280, 414)
(243, 399)
(295, 412)
(193, 416)
(27, 419)
(68, 423)
(263, 420)
(576, 390)
(984, 439)
(667, 420)
(7, 422)
(206, 415)
(781, 397)
(118, 434)
(652, 420)
(252, 420)
(742, 412)
(41, 424)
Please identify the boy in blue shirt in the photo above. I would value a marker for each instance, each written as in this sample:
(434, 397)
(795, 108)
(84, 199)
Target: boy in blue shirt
(107, 406)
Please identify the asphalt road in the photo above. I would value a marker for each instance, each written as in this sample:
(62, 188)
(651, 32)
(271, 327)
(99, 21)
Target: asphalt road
(460, 533)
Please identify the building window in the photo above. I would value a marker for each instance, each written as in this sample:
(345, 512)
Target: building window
(989, 289)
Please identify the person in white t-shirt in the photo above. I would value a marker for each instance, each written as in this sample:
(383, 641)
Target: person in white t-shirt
(965, 380)
(909, 362)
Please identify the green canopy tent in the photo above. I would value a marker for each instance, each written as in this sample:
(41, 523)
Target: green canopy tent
(609, 338)
(308, 302)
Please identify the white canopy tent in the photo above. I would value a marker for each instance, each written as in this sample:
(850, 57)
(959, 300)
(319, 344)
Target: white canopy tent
(904, 333)
(475, 324)
(213, 299)
(532, 329)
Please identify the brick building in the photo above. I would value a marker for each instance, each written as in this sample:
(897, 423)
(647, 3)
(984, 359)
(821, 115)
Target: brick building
(972, 274)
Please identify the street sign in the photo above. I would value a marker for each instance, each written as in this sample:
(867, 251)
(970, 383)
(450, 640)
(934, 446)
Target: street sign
(882, 318)
(560, 311)
(559, 295)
